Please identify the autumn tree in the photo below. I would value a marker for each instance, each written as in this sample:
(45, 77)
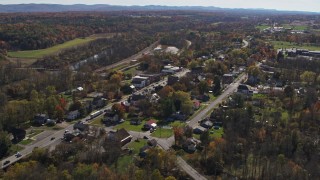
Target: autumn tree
(308, 77)
(119, 109)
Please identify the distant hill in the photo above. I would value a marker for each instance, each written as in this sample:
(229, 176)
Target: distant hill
(104, 7)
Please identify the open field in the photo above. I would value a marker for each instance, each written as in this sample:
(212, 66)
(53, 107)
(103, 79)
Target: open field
(296, 27)
(34, 54)
(284, 44)
(262, 27)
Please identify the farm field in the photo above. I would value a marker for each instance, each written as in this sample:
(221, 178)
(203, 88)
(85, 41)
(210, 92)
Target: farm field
(34, 54)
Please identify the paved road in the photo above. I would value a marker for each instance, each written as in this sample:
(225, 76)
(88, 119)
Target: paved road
(167, 143)
(147, 50)
(246, 43)
(48, 141)
(229, 90)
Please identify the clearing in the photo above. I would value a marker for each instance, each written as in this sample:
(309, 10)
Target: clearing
(285, 44)
(34, 54)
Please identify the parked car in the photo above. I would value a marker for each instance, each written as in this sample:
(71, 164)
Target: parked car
(18, 155)
(6, 162)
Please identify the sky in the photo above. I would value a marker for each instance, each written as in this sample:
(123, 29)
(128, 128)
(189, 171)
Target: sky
(296, 5)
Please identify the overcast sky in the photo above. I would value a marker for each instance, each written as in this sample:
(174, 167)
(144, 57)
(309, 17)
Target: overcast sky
(298, 5)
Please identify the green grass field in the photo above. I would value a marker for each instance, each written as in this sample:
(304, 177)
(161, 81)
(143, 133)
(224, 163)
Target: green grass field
(284, 44)
(298, 27)
(34, 54)
(262, 27)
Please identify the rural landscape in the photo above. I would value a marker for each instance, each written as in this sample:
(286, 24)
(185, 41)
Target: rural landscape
(158, 92)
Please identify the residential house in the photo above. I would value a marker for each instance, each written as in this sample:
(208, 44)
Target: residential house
(179, 116)
(151, 124)
(227, 79)
(172, 80)
(72, 115)
(125, 105)
(203, 98)
(244, 89)
(152, 77)
(40, 119)
(221, 57)
(81, 126)
(122, 136)
(207, 124)
(110, 118)
(189, 145)
(134, 98)
(199, 130)
(140, 82)
(68, 136)
(170, 69)
(154, 98)
(99, 102)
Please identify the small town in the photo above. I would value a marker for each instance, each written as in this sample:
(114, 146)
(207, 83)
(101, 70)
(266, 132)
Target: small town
(159, 93)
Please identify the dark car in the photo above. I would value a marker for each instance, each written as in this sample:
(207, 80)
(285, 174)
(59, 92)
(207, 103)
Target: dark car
(6, 162)
(52, 138)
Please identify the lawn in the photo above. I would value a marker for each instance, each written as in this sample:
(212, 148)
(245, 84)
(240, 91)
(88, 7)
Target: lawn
(216, 133)
(284, 44)
(97, 122)
(259, 96)
(162, 133)
(127, 126)
(34, 132)
(26, 141)
(125, 160)
(165, 132)
(131, 71)
(136, 145)
(34, 54)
